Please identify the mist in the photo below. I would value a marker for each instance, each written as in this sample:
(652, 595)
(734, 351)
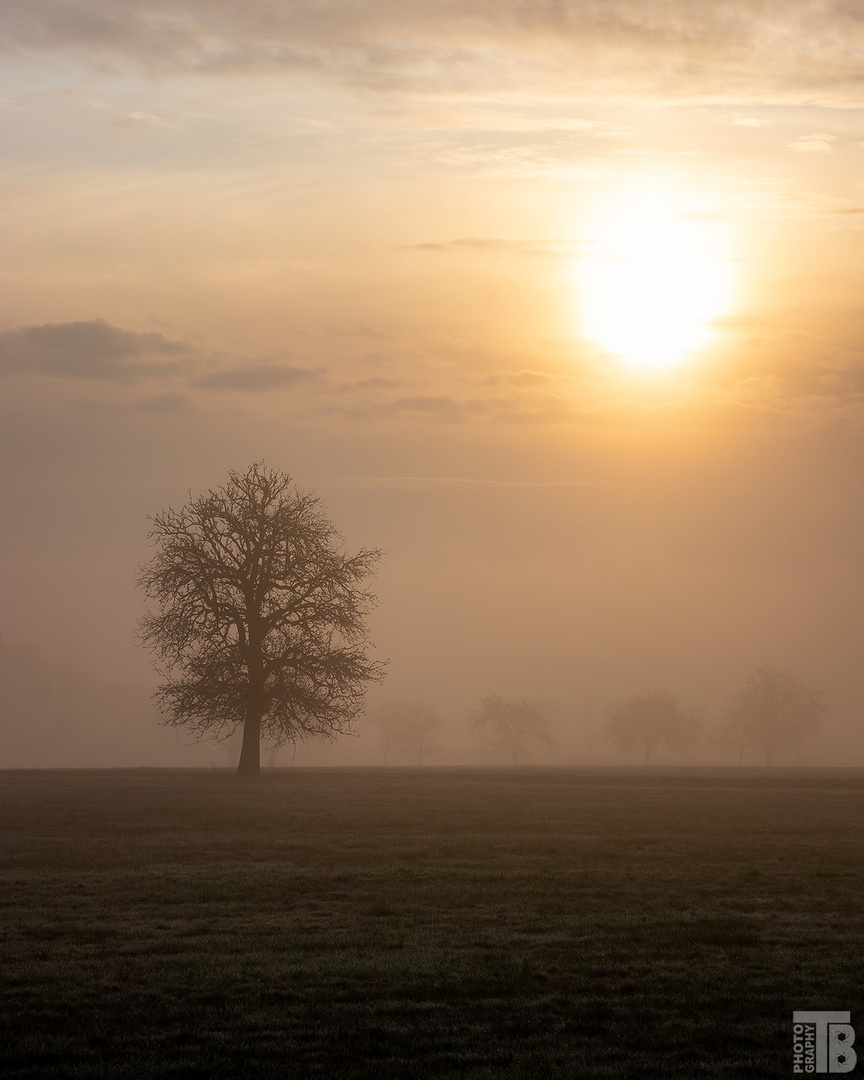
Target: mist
(582, 581)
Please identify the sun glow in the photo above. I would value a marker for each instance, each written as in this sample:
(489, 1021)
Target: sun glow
(653, 276)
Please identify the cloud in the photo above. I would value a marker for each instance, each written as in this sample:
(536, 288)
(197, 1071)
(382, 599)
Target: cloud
(361, 332)
(780, 50)
(139, 120)
(375, 383)
(463, 481)
(259, 378)
(88, 350)
(813, 144)
(163, 403)
(786, 382)
(555, 249)
(431, 407)
(530, 380)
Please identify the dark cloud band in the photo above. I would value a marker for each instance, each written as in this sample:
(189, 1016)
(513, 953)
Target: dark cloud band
(88, 350)
(774, 49)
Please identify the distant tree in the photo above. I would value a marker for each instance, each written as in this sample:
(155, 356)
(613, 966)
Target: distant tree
(409, 728)
(262, 615)
(774, 712)
(417, 736)
(648, 722)
(512, 726)
(386, 719)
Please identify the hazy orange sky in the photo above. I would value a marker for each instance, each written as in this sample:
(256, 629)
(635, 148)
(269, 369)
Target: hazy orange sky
(560, 303)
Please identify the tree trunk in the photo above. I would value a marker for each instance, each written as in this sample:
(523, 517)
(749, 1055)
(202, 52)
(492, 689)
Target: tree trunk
(250, 752)
(249, 766)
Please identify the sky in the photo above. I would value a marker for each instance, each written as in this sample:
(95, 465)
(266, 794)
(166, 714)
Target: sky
(556, 302)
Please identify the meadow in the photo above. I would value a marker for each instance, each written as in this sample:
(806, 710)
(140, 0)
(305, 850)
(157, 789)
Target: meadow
(407, 923)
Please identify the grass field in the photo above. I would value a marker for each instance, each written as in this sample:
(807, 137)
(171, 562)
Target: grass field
(402, 923)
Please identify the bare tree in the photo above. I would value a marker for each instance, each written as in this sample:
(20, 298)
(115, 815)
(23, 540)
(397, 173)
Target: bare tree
(774, 712)
(419, 727)
(648, 722)
(386, 718)
(410, 728)
(512, 726)
(262, 615)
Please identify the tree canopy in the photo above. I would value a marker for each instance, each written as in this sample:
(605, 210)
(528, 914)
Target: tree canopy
(512, 726)
(408, 727)
(775, 711)
(648, 722)
(262, 615)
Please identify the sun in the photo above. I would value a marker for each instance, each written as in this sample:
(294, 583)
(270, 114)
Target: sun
(653, 276)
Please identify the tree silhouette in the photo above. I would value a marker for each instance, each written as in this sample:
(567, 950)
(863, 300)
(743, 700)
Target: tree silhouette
(418, 732)
(386, 718)
(774, 712)
(649, 722)
(407, 727)
(262, 615)
(510, 726)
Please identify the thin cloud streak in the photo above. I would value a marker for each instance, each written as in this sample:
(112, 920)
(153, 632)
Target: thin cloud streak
(464, 481)
(544, 249)
(259, 378)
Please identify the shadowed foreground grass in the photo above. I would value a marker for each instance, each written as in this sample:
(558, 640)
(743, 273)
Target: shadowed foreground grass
(437, 923)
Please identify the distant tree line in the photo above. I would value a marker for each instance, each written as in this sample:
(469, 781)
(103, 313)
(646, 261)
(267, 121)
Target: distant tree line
(773, 713)
(510, 729)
